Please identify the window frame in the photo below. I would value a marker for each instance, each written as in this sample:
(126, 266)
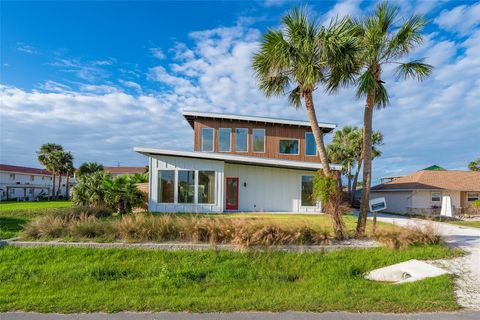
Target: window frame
(177, 183)
(301, 192)
(236, 140)
(214, 188)
(432, 195)
(289, 154)
(201, 140)
(229, 140)
(473, 192)
(264, 140)
(175, 178)
(314, 143)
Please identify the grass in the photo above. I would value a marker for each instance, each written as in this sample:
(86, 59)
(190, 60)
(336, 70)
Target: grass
(473, 224)
(69, 280)
(14, 205)
(13, 214)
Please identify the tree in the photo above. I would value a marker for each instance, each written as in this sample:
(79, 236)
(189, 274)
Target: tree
(346, 149)
(123, 194)
(295, 60)
(69, 172)
(382, 40)
(63, 161)
(89, 168)
(48, 157)
(90, 190)
(474, 165)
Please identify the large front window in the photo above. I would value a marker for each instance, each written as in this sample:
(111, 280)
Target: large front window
(258, 140)
(206, 187)
(186, 186)
(307, 189)
(472, 196)
(241, 139)
(288, 146)
(310, 145)
(166, 186)
(207, 139)
(224, 139)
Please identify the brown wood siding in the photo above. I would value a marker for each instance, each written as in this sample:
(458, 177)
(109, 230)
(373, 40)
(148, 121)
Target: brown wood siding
(273, 133)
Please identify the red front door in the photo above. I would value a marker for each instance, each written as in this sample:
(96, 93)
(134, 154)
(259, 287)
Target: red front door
(232, 194)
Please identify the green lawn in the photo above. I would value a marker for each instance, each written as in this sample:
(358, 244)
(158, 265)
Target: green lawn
(13, 214)
(14, 205)
(474, 224)
(68, 280)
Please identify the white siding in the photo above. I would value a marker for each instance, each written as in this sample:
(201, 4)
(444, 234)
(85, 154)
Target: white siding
(397, 201)
(269, 189)
(423, 199)
(178, 163)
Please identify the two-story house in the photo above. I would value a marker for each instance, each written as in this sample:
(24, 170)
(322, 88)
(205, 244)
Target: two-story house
(239, 163)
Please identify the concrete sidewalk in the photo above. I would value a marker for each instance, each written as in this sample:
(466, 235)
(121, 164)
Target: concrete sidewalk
(242, 316)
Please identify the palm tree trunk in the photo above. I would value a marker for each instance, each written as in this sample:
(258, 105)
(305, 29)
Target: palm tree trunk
(355, 181)
(59, 184)
(367, 163)
(317, 133)
(67, 195)
(53, 186)
(349, 180)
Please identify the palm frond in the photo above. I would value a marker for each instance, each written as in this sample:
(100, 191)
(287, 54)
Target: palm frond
(406, 38)
(415, 69)
(381, 96)
(295, 97)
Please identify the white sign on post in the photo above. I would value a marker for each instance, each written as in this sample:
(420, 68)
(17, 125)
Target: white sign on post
(378, 204)
(447, 209)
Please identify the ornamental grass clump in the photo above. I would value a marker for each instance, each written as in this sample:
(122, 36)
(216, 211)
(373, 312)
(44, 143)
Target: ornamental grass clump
(410, 236)
(47, 227)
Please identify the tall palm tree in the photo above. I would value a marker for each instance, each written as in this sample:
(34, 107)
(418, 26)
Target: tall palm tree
(69, 172)
(89, 168)
(64, 162)
(299, 57)
(381, 41)
(46, 157)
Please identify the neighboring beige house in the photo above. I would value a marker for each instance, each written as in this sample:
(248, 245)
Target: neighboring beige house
(118, 171)
(422, 191)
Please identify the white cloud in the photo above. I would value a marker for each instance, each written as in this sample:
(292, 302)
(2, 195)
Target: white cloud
(54, 86)
(86, 70)
(26, 48)
(158, 53)
(461, 19)
(131, 84)
(342, 9)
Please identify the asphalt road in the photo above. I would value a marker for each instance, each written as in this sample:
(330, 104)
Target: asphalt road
(242, 316)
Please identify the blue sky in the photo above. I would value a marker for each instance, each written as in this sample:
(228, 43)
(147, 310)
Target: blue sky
(103, 77)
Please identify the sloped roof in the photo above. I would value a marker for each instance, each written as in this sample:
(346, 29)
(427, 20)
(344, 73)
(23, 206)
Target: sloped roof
(434, 179)
(20, 169)
(124, 170)
(434, 167)
(192, 115)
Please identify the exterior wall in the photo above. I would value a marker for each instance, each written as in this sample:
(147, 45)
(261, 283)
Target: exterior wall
(422, 202)
(177, 163)
(273, 133)
(27, 186)
(269, 189)
(397, 202)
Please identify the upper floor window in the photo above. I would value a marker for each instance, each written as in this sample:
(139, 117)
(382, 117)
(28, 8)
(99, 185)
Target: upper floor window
(288, 146)
(12, 176)
(436, 196)
(472, 196)
(207, 139)
(32, 178)
(241, 139)
(310, 145)
(258, 140)
(224, 139)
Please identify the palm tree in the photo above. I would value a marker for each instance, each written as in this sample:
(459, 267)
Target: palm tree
(46, 156)
(299, 57)
(381, 41)
(69, 172)
(123, 194)
(90, 190)
(474, 165)
(89, 168)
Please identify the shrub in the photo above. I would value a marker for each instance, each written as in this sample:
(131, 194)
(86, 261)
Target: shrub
(411, 236)
(89, 227)
(47, 227)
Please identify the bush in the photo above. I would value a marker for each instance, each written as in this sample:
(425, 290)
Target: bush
(47, 227)
(407, 237)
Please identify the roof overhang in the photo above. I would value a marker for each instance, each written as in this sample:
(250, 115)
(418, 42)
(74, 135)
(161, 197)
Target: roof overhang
(192, 115)
(229, 158)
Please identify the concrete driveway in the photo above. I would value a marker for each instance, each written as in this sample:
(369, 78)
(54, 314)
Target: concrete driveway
(466, 268)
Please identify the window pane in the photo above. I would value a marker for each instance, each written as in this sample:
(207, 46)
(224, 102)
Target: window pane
(258, 138)
(472, 196)
(207, 139)
(310, 145)
(224, 139)
(186, 186)
(288, 147)
(436, 196)
(206, 186)
(241, 142)
(307, 189)
(166, 185)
